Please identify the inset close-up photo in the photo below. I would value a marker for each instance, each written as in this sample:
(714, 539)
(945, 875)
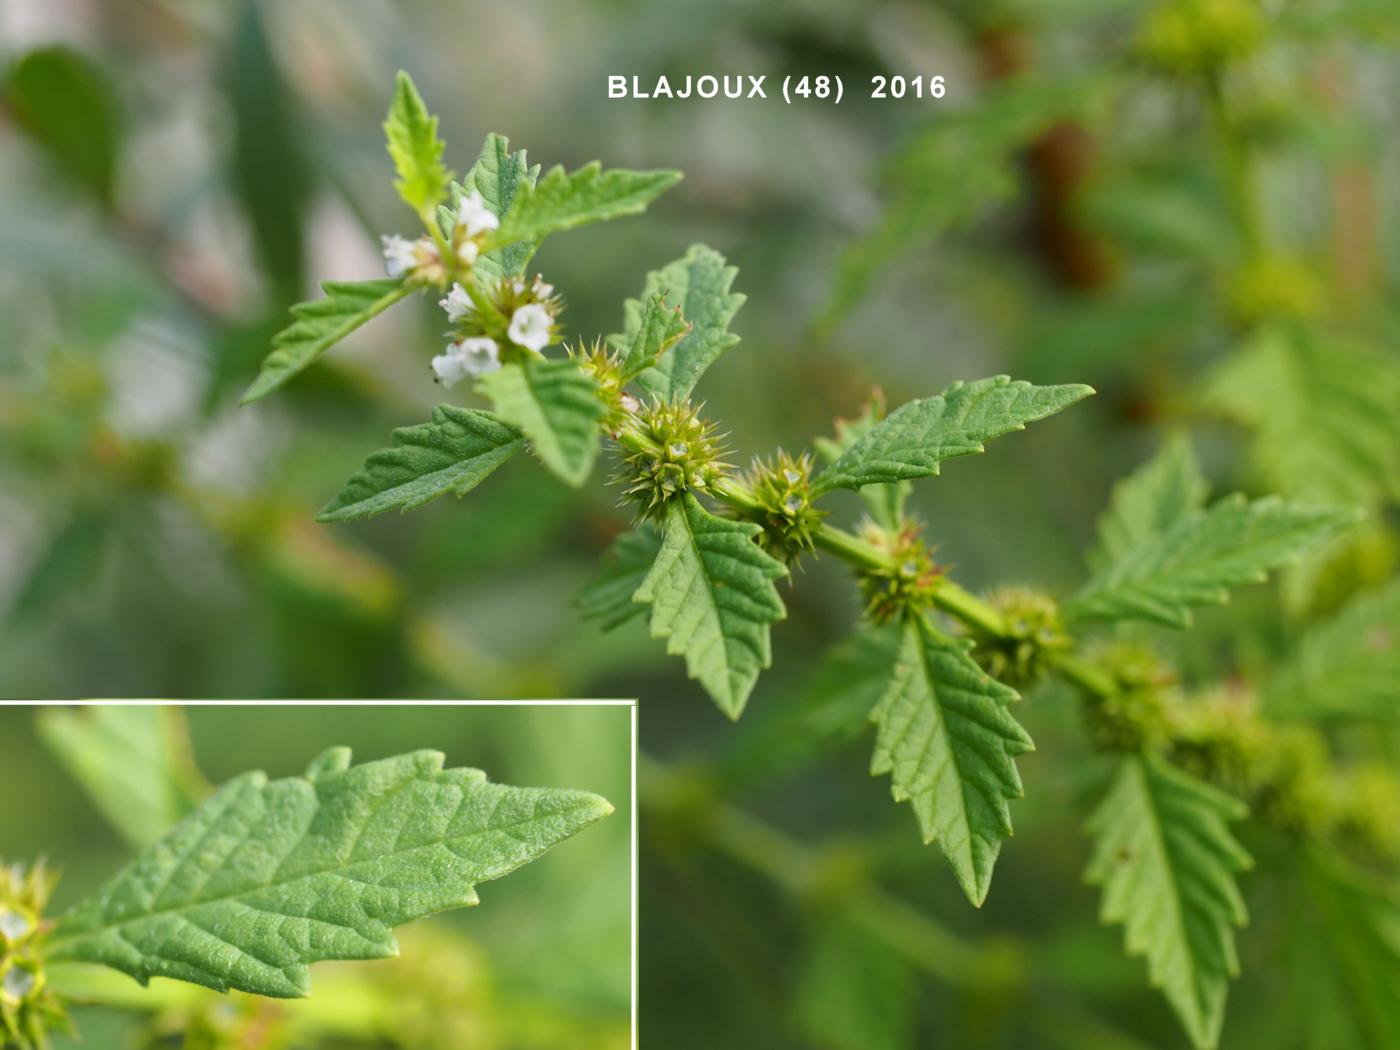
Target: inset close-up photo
(316, 877)
(969, 428)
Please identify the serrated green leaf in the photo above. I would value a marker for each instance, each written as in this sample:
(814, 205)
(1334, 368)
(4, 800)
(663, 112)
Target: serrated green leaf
(947, 738)
(1348, 667)
(1166, 490)
(556, 406)
(320, 324)
(563, 200)
(712, 598)
(132, 760)
(1324, 413)
(608, 599)
(411, 134)
(1344, 942)
(914, 439)
(884, 502)
(1166, 860)
(454, 453)
(268, 877)
(661, 327)
(1201, 557)
(698, 283)
(498, 175)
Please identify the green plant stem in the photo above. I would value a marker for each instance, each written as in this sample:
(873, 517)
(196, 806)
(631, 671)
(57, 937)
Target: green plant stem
(852, 548)
(970, 609)
(956, 601)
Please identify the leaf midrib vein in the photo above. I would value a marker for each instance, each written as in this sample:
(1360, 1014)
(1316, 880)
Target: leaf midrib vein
(236, 894)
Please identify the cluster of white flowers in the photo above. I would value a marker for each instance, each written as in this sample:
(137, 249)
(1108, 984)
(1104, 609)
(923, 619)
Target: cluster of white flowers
(423, 258)
(531, 326)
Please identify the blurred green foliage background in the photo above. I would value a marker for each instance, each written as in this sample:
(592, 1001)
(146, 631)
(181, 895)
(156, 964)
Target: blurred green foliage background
(1190, 205)
(543, 962)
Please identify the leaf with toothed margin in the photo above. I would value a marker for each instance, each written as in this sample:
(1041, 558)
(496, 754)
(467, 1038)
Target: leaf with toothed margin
(564, 200)
(453, 453)
(410, 133)
(1162, 576)
(267, 877)
(660, 328)
(946, 737)
(321, 323)
(556, 405)
(1166, 860)
(698, 284)
(712, 598)
(608, 598)
(914, 439)
(498, 175)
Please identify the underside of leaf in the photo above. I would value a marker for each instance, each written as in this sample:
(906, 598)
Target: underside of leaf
(1166, 860)
(947, 739)
(712, 598)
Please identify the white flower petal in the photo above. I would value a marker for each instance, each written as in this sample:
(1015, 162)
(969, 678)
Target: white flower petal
(400, 255)
(19, 982)
(458, 304)
(473, 217)
(530, 327)
(450, 368)
(480, 354)
(13, 925)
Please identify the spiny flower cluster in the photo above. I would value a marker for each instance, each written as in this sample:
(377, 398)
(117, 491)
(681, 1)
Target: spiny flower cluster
(674, 450)
(422, 261)
(1035, 633)
(1137, 714)
(782, 486)
(28, 1009)
(908, 583)
(605, 366)
(514, 317)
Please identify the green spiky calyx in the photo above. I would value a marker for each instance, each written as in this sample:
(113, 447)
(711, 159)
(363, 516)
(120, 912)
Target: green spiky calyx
(1138, 713)
(28, 1009)
(782, 492)
(604, 365)
(908, 582)
(1035, 635)
(668, 448)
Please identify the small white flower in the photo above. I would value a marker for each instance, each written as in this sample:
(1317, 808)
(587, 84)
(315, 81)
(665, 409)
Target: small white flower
(400, 255)
(518, 286)
(629, 403)
(474, 217)
(540, 289)
(470, 357)
(529, 327)
(458, 304)
(450, 368)
(481, 354)
(467, 251)
(13, 925)
(19, 982)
